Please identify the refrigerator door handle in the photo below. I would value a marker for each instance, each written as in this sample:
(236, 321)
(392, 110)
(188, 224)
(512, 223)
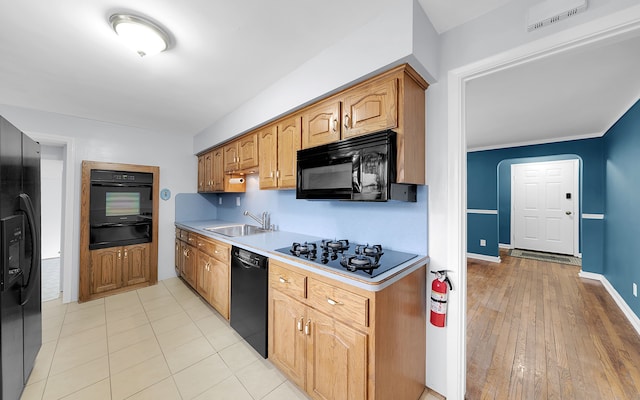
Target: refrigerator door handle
(27, 206)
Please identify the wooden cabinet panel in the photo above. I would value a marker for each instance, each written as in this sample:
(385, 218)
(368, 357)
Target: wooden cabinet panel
(217, 176)
(178, 255)
(370, 108)
(231, 157)
(339, 303)
(213, 248)
(106, 269)
(289, 142)
(336, 359)
(201, 173)
(135, 263)
(287, 281)
(268, 156)
(188, 271)
(248, 151)
(203, 278)
(208, 172)
(220, 284)
(287, 341)
(321, 124)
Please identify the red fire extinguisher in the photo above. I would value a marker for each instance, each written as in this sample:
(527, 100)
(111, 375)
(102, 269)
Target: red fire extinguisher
(439, 298)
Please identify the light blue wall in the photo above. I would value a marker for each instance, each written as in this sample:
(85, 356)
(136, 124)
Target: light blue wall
(396, 225)
(622, 217)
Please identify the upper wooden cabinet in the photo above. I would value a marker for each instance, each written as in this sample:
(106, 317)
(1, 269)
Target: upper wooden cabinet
(211, 172)
(278, 146)
(241, 154)
(217, 175)
(392, 100)
(371, 108)
(201, 172)
(321, 124)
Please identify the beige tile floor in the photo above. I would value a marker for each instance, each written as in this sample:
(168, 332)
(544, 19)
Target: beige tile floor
(160, 342)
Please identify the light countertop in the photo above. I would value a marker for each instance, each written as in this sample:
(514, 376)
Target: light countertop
(266, 243)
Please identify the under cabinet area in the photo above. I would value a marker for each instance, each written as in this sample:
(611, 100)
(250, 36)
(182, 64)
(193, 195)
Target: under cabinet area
(204, 263)
(375, 339)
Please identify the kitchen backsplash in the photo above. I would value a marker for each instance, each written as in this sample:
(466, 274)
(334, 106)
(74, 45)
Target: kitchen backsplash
(395, 225)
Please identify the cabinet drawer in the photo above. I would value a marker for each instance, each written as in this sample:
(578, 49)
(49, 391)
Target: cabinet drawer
(214, 249)
(339, 303)
(287, 281)
(178, 233)
(190, 238)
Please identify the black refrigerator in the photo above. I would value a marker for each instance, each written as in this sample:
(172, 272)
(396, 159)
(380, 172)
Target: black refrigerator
(20, 293)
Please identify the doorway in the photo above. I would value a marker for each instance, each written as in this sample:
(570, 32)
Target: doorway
(545, 206)
(51, 179)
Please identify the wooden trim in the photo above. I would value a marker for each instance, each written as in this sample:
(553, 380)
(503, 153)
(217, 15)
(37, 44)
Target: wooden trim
(85, 200)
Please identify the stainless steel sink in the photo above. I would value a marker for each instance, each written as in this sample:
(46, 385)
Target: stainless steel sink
(236, 230)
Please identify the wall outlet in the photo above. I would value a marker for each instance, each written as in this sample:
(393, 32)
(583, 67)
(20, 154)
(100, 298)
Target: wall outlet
(237, 201)
(635, 289)
(220, 200)
(483, 242)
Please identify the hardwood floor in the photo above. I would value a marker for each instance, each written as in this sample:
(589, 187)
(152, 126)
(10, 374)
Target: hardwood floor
(535, 330)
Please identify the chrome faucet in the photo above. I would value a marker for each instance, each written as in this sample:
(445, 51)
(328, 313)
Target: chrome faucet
(265, 221)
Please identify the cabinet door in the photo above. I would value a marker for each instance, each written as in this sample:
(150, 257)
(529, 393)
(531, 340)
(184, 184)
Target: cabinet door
(268, 155)
(231, 157)
(289, 142)
(220, 282)
(106, 269)
(201, 173)
(217, 173)
(336, 359)
(188, 271)
(208, 172)
(321, 124)
(370, 108)
(178, 256)
(135, 263)
(248, 151)
(203, 278)
(287, 342)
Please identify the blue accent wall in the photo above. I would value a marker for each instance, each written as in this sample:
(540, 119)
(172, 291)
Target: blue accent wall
(482, 226)
(489, 188)
(622, 217)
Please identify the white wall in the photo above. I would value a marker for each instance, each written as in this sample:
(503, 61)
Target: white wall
(51, 206)
(99, 141)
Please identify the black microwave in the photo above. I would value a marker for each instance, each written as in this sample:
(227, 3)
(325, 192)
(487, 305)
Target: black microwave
(362, 168)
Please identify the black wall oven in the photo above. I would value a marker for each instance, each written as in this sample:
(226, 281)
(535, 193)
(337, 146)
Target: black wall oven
(361, 168)
(121, 208)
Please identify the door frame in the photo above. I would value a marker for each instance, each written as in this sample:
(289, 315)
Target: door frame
(591, 32)
(68, 206)
(576, 203)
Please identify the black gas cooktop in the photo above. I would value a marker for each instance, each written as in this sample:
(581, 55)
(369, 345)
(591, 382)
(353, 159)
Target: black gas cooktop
(363, 260)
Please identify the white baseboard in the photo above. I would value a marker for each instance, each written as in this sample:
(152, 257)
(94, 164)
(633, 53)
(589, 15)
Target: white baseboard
(505, 246)
(631, 316)
(484, 257)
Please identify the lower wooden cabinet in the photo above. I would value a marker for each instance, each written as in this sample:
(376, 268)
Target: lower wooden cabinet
(204, 263)
(340, 342)
(117, 267)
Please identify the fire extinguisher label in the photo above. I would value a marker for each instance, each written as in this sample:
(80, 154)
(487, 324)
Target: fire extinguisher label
(437, 296)
(438, 307)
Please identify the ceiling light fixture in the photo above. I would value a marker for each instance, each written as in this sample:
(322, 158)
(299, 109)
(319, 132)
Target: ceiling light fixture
(142, 35)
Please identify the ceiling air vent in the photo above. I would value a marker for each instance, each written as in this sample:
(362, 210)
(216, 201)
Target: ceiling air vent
(551, 11)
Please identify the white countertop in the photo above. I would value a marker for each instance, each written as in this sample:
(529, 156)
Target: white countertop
(266, 243)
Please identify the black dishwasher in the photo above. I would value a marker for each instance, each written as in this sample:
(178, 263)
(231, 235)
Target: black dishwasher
(249, 280)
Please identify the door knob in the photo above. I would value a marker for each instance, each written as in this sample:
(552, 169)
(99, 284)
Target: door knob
(568, 212)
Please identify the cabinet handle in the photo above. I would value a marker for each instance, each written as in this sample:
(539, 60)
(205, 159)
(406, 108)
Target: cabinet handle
(206, 266)
(346, 121)
(300, 324)
(333, 302)
(307, 327)
(119, 254)
(277, 174)
(282, 280)
(271, 174)
(335, 125)
(125, 253)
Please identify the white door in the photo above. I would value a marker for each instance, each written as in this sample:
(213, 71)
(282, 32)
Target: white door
(544, 199)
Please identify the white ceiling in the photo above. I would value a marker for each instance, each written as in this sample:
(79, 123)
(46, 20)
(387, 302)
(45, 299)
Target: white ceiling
(63, 57)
